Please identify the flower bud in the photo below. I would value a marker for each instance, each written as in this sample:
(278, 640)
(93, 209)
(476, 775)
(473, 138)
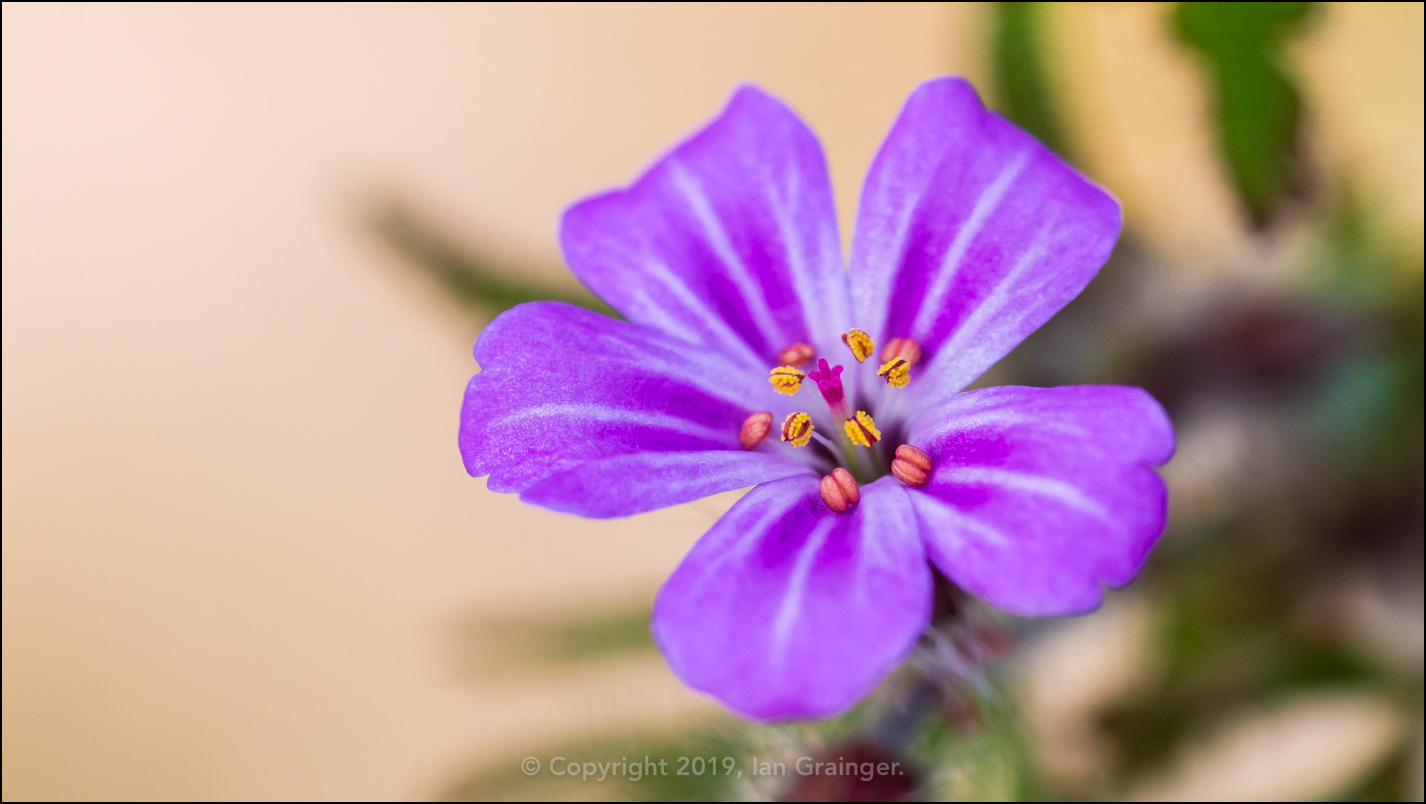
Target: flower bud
(755, 429)
(840, 490)
(911, 466)
(905, 348)
(798, 354)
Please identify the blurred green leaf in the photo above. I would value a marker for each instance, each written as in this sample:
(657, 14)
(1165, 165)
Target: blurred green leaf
(1258, 106)
(471, 279)
(1357, 258)
(1369, 407)
(1021, 88)
(523, 643)
(947, 762)
(506, 781)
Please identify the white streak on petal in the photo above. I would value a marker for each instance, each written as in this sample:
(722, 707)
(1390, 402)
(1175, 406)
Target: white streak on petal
(985, 206)
(1057, 490)
(717, 238)
(787, 612)
(613, 415)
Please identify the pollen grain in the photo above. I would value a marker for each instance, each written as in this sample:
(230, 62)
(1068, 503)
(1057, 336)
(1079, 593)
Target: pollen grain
(785, 379)
(860, 343)
(862, 430)
(797, 429)
(896, 371)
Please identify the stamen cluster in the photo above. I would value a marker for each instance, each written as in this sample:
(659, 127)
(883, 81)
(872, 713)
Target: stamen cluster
(840, 489)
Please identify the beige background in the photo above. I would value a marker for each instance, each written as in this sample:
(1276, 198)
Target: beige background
(237, 537)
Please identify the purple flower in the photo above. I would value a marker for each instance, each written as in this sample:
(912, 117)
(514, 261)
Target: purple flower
(725, 259)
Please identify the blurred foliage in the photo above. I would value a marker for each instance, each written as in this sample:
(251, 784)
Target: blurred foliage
(478, 283)
(1323, 382)
(977, 754)
(1259, 107)
(1022, 88)
(521, 644)
(505, 781)
(1362, 272)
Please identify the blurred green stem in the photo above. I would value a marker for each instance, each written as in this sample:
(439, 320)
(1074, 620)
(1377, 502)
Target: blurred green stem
(1258, 105)
(469, 278)
(1022, 89)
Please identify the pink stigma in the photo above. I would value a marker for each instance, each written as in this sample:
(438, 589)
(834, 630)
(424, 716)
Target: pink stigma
(829, 382)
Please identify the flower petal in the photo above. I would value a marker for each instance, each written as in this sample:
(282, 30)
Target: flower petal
(787, 610)
(630, 484)
(564, 390)
(730, 240)
(1042, 496)
(970, 235)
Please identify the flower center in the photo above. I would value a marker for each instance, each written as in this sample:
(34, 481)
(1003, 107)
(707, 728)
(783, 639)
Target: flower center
(839, 488)
(852, 427)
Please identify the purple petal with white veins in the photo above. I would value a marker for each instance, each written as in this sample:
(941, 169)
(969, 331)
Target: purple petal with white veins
(1041, 497)
(730, 240)
(785, 609)
(571, 397)
(629, 484)
(970, 235)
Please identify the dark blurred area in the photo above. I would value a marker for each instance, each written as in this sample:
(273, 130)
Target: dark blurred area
(1294, 552)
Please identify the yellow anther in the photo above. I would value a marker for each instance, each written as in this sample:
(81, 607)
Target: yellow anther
(797, 429)
(897, 372)
(860, 343)
(862, 430)
(785, 379)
